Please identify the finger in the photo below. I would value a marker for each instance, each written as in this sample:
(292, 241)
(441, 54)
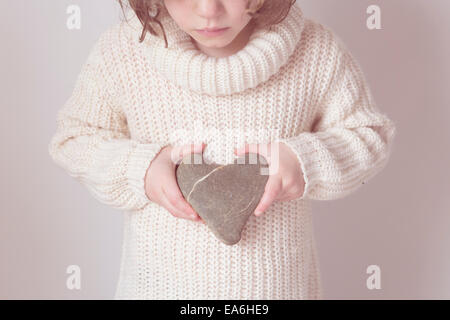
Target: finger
(284, 197)
(176, 199)
(192, 148)
(261, 149)
(273, 188)
(173, 211)
(178, 152)
(291, 193)
(253, 148)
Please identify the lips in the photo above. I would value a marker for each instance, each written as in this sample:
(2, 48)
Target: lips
(211, 29)
(214, 33)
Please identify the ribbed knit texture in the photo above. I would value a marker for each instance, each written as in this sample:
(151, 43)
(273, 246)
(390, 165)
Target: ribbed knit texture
(295, 83)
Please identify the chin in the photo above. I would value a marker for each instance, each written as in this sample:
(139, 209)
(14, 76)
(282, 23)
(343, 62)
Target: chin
(213, 43)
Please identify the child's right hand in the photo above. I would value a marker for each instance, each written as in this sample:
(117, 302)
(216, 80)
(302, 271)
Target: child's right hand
(161, 185)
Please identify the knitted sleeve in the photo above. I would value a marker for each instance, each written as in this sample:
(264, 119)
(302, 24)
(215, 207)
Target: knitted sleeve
(92, 141)
(350, 140)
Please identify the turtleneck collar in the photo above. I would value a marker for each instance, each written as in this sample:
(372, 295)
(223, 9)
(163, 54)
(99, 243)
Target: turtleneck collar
(182, 63)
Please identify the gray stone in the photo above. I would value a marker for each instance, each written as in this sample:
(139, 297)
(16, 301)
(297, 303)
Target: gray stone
(224, 196)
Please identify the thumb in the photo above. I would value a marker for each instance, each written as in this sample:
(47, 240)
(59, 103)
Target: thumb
(178, 152)
(247, 148)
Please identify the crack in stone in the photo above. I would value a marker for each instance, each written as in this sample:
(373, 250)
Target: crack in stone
(229, 218)
(228, 226)
(203, 178)
(251, 200)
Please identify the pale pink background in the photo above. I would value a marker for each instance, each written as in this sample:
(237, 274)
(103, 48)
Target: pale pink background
(399, 221)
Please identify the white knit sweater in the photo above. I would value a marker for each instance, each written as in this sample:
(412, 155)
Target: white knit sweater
(296, 83)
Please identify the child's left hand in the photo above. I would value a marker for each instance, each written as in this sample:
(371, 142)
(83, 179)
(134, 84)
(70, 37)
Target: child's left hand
(285, 184)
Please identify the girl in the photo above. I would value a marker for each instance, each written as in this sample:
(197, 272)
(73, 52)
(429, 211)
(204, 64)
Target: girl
(275, 77)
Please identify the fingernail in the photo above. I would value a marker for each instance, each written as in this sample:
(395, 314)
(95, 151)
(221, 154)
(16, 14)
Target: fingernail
(257, 213)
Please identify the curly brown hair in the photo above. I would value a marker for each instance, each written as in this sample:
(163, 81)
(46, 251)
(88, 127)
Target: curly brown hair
(263, 13)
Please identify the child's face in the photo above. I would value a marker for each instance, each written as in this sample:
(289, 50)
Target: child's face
(192, 15)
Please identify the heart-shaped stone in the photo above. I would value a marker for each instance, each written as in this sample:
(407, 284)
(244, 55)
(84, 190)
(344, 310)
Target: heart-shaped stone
(224, 196)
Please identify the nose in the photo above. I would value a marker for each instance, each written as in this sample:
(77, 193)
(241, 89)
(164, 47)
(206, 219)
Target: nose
(208, 9)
